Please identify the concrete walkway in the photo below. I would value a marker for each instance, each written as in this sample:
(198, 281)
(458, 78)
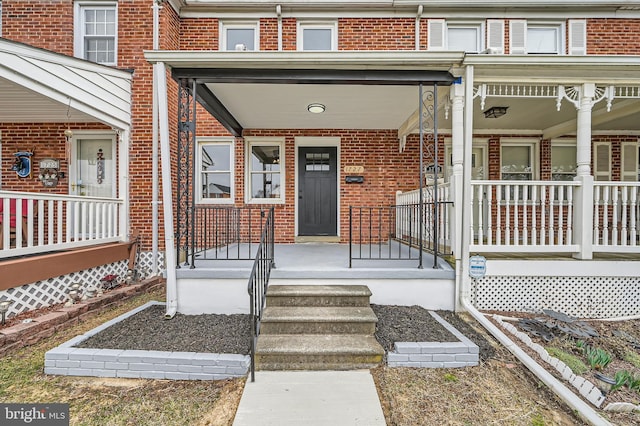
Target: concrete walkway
(310, 398)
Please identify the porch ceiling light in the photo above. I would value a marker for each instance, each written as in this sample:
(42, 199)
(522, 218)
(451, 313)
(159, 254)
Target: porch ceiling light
(495, 112)
(315, 108)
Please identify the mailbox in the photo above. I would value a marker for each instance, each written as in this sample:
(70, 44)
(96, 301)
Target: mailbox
(354, 179)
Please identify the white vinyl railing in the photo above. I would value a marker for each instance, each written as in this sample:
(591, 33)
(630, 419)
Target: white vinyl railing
(35, 223)
(522, 215)
(616, 216)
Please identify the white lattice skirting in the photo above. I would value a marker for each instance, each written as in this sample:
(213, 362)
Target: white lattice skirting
(583, 297)
(54, 290)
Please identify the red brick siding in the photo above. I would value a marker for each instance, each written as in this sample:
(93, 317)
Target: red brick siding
(386, 171)
(613, 36)
(45, 140)
(199, 34)
(47, 24)
(376, 34)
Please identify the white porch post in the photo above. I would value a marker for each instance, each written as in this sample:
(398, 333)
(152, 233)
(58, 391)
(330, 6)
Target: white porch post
(457, 157)
(463, 280)
(123, 184)
(583, 212)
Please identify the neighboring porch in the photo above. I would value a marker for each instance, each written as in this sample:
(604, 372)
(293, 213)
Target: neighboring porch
(64, 209)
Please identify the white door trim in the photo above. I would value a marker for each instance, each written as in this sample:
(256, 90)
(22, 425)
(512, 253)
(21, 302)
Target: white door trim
(93, 134)
(312, 141)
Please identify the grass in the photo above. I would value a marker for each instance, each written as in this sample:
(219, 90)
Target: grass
(95, 401)
(573, 362)
(632, 358)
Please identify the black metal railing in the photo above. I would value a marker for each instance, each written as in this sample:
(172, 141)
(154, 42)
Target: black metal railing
(399, 232)
(225, 233)
(259, 281)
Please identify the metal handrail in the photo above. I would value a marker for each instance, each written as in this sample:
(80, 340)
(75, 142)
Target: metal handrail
(259, 281)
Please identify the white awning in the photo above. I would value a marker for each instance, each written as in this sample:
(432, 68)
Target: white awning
(38, 86)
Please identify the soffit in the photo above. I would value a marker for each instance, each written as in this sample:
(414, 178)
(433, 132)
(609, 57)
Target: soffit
(41, 86)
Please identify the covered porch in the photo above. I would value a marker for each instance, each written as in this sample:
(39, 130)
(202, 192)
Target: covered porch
(49, 215)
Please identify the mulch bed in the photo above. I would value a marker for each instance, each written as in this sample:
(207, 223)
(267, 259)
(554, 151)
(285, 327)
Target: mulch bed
(214, 333)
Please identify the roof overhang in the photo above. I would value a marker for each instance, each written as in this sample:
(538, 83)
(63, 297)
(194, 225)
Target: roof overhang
(42, 86)
(378, 90)
(272, 90)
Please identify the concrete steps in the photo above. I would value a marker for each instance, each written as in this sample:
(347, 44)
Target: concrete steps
(317, 327)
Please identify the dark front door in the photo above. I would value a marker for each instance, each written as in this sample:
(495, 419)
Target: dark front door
(317, 191)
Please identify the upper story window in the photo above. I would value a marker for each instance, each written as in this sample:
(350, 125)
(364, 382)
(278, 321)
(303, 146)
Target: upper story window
(317, 36)
(215, 162)
(531, 37)
(239, 36)
(455, 35)
(265, 182)
(96, 32)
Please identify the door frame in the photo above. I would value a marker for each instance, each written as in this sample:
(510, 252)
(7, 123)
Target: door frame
(317, 141)
(93, 134)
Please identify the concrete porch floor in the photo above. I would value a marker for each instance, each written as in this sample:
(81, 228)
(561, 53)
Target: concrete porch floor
(321, 260)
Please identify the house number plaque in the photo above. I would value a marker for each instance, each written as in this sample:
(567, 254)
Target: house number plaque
(354, 169)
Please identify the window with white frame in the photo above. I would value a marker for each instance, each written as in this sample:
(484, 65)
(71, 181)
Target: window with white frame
(96, 32)
(531, 37)
(239, 36)
(630, 162)
(464, 37)
(265, 182)
(455, 35)
(317, 35)
(602, 161)
(215, 163)
(563, 161)
(518, 160)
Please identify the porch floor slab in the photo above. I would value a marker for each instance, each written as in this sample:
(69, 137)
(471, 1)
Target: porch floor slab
(321, 260)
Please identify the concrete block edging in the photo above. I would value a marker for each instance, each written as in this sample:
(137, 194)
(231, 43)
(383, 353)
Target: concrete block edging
(68, 360)
(463, 353)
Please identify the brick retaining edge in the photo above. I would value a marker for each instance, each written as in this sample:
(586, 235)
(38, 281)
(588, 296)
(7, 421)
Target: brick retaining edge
(463, 353)
(68, 360)
(29, 333)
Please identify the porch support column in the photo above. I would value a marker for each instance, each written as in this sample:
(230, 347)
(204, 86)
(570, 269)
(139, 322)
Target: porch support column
(124, 137)
(463, 280)
(583, 131)
(583, 208)
(457, 156)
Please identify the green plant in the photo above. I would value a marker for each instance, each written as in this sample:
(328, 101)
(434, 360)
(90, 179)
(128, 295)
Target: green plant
(621, 378)
(633, 382)
(450, 378)
(598, 358)
(632, 358)
(537, 420)
(582, 346)
(573, 362)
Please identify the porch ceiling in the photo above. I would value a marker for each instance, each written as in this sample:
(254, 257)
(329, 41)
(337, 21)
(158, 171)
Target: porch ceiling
(42, 86)
(271, 90)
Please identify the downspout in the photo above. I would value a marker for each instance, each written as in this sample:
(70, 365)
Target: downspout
(154, 150)
(279, 14)
(584, 410)
(417, 27)
(160, 82)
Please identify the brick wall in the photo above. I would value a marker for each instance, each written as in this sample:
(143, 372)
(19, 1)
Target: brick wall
(613, 36)
(376, 34)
